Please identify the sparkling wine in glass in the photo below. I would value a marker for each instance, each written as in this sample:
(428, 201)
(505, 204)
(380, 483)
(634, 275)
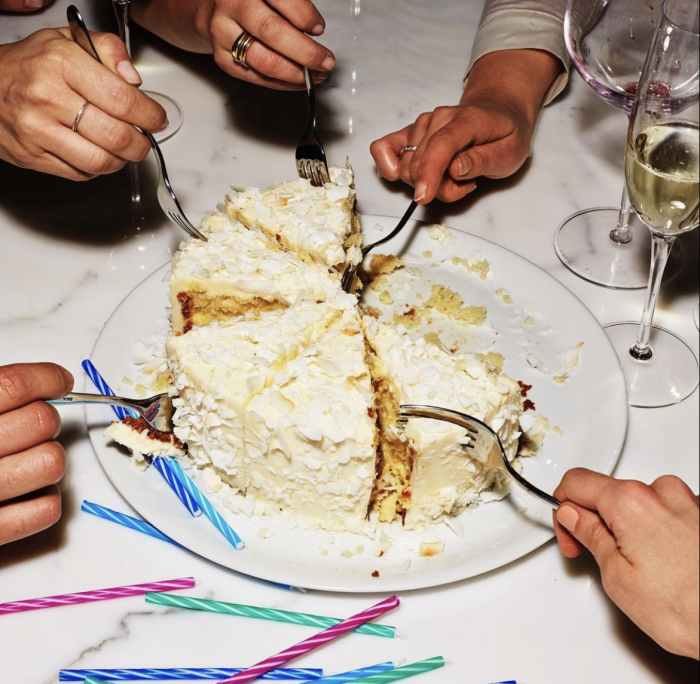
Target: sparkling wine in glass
(122, 9)
(608, 41)
(662, 167)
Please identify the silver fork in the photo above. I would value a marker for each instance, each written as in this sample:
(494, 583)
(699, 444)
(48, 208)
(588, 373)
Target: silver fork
(156, 411)
(166, 195)
(311, 157)
(483, 443)
(351, 270)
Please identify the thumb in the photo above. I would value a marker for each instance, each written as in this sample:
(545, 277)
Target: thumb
(115, 57)
(22, 5)
(590, 530)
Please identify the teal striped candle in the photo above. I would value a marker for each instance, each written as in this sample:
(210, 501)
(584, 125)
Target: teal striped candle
(238, 610)
(404, 672)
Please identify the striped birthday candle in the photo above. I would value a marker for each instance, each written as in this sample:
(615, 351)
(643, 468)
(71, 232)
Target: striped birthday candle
(186, 673)
(165, 468)
(354, 675)
(404, 672)
(103, 388)
(314, 642)
(214, 516)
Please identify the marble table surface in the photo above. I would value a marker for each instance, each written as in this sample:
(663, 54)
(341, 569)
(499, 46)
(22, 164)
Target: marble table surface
(70, 254)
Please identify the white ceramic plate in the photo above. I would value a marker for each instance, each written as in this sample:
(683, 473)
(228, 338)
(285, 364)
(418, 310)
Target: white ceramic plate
(484, 538)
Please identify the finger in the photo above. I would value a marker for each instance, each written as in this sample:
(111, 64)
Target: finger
(450, 191)
(31, 470)
(302, 14)
(568, 544)
(79, 152)
(588, 528)
(498, 159)
(225, 62)
(27, 427)
(22, 5)
(588, 489)
(115, 57)
(416, 136)
(52, 165)
(25, 517)
(277, 33)
(387, 153)
(24, 383)
(119, 139)
(107, 91)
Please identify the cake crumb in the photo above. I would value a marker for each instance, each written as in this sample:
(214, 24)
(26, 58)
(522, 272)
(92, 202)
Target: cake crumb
(504, 296)
(372, 311)
(385, 298)
(450, 303)
(385, 264)
(324, 552)
(141, 391)
(480, 267)
(410, 319)
(529, 321)
(266, 533)
(494, 360)
(375, 574)
(430, 549)
(558, 431)
(560, 379)
(428, 254)
(127, 381)
(434, 339)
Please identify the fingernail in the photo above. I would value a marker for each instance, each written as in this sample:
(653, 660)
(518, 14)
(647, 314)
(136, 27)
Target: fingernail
(33, 4)
(127, 71)
(164, 126)
(328, 63)
(318, 30)
(568, 517)
(465, 165)
(421, 191)
(379, 174)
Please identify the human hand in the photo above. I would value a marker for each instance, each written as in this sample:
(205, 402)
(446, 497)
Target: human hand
(23, 5)
(496, 116)
(281, 45)
(31, 462)
(45, 80)
(645, 539)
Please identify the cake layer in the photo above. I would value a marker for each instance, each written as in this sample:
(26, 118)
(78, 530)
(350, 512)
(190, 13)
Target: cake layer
(138, 436)
(424, 472)
(281, 407)
(239, 270)
(319, 225)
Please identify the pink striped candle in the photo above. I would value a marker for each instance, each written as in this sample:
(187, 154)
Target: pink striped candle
(97, 595)
(314, 642)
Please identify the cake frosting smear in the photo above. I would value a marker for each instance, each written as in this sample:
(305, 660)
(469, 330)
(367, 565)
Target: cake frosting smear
(287, 397)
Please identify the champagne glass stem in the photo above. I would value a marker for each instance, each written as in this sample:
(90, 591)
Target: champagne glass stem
(661, 248)
(122, 9)
(622, 233)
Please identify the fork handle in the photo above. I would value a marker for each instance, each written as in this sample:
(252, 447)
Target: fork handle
(78, 398)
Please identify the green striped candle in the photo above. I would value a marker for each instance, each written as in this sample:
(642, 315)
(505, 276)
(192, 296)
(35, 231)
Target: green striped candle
(404, 672)
(92, 680)
(263, 613)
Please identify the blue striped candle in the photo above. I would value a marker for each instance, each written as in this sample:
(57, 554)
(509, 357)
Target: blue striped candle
(164, 467)
(208, 508)
(354, 675)
(126, 521)
(189, 674)
(104, 388)
(403, 672)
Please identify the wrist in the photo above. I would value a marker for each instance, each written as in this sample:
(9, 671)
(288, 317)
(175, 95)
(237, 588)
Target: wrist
(516, 79)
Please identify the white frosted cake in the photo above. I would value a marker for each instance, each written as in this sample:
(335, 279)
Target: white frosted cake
(281, 409)
(239, 270)
(425, 473)
(320, 225)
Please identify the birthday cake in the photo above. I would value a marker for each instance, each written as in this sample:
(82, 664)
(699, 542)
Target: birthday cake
(287, 399)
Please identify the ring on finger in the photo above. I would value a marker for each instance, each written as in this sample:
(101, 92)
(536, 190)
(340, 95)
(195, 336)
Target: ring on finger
(79, 116)
(239, 50)
(408, 148)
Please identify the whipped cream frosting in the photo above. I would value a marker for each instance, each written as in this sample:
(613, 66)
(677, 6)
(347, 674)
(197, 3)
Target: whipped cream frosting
(134, 435)
(445, 478)
(282, 408)
(314, 223)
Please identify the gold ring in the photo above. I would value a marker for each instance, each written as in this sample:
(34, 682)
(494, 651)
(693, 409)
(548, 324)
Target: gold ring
(240, 48)
(79, 116)
(409, 148)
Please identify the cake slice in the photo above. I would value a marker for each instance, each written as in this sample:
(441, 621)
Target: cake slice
(319, 225)
(280, 408)
(237, 271)
(424, 473)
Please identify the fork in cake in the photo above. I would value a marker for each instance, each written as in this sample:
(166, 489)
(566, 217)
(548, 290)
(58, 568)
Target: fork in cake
(483, 443)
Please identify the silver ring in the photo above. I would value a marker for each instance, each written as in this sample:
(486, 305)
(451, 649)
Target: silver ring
(79, 116)
(409, 148)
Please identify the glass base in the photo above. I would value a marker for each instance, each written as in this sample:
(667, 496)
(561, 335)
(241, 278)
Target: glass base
(175, 117)
(584, 246)
(669, 377)
(696, 316)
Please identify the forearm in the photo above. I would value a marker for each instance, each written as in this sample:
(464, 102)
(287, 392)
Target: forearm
(518, 78)
(184, 23)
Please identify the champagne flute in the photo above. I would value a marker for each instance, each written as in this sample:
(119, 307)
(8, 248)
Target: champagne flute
(122, 9)
(662, 169)
(608, 41)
